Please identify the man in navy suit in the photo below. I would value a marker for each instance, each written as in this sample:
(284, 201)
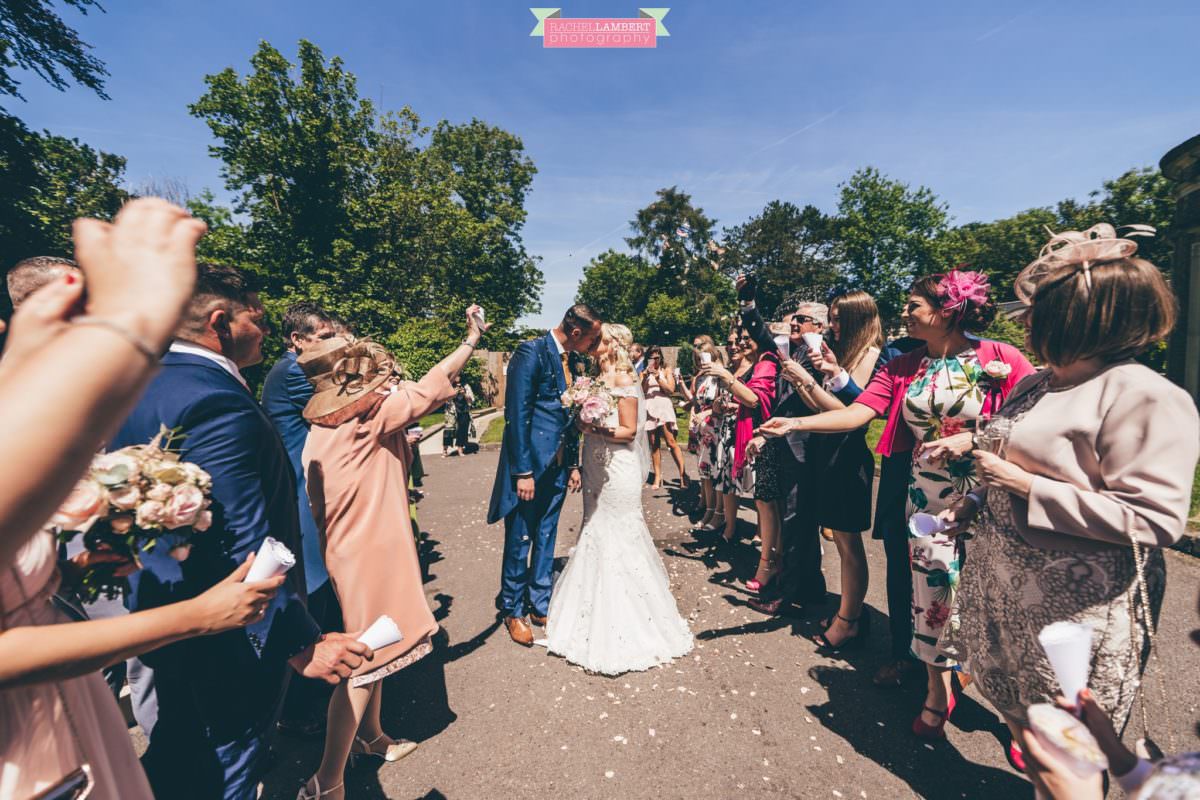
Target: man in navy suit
(538, 463)
(284, 395)
(218, 695)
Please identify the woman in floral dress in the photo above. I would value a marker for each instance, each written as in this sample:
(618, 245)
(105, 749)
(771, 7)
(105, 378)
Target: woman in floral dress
(702, 437)
(932, 398)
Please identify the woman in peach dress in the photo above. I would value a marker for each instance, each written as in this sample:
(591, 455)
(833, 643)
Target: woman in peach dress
(356, 460)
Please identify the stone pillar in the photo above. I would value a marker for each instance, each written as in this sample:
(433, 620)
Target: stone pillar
(1182, 165)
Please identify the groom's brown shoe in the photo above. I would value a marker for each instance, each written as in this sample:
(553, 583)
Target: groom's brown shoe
(536, 620)
(519, 630)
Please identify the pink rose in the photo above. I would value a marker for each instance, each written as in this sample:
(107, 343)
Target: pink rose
(114, 469)
(159, 492)
(149, 514)
(203, 521)
(86, 503)
(593, 410)
(180, 511)
(125, 498)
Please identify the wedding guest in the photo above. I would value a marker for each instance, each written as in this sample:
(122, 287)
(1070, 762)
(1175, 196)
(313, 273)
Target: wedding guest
(357, 460)
(56, 715)
(25, 278)
(932, 395)
(705, 425)
(456, 428)
(658, 382)
(284, 395)
(790, 567)
(210, 734)
(752, 388)
(725, 411)
(1097, 469)
(638, 353)
(891, 526)
(846, 473)
(31, 274)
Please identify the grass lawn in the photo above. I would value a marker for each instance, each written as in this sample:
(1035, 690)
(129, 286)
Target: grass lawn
(1196, 492)
(494, 433)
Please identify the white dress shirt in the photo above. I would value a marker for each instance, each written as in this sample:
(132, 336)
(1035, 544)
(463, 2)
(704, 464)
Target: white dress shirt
(192, 349)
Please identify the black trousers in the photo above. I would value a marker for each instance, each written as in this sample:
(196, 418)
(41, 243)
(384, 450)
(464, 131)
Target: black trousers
(802, 580)
(891, 525)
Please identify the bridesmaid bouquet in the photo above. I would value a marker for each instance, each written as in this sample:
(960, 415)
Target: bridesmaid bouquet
(131, 501)
(589, 400)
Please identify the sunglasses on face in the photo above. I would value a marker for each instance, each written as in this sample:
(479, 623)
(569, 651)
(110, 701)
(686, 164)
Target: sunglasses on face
(800, 319)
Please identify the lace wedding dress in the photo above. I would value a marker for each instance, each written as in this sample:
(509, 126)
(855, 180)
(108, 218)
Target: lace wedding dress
(612, 610)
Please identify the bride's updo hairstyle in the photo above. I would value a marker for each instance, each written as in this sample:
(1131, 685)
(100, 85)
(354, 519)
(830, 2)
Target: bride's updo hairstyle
(619, 339)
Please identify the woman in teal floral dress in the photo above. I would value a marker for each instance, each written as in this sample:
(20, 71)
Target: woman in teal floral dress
(932, 398)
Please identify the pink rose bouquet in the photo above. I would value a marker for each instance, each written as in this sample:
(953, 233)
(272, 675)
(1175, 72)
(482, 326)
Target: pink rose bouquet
(131, 501)
(589, 400)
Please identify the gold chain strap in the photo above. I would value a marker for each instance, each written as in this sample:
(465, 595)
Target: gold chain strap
(1142, 593)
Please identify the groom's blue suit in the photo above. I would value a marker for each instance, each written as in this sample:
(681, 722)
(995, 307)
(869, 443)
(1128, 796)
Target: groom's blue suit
(539, 441)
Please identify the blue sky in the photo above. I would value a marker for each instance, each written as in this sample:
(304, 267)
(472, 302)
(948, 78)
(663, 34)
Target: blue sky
(996, 106)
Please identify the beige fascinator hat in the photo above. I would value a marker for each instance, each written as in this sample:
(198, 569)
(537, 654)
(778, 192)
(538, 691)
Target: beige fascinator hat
(342, 370)
(1078, 250)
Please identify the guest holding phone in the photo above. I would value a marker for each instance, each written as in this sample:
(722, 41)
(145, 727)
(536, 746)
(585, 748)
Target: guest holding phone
(658, 382)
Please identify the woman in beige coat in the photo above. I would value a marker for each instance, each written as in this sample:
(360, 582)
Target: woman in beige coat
(356, 461)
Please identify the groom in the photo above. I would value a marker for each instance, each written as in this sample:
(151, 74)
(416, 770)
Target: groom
(538, 460)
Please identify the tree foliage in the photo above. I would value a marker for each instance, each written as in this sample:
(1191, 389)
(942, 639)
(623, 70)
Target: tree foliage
(888, 233)
(35, 38)
(671, 288)
(789, 249)
(46, 181)
(388, 223)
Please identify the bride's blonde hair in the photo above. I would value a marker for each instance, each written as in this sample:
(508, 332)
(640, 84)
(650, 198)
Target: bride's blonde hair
(619, 339)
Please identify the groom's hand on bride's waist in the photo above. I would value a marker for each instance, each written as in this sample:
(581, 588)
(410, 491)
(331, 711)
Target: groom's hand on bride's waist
(574, 480)
(525, 488)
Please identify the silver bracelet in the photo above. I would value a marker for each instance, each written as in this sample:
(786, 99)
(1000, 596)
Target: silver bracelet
(138, 342)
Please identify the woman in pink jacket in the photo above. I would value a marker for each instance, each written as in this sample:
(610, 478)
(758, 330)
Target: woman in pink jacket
(932, 399)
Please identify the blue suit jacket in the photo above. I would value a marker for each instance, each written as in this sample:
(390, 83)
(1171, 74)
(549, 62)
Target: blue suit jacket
(285, 393)
(232, 681)
(536, 423)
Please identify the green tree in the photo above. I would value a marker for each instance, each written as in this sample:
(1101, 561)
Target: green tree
(615, 285)
(686, 294)
(46, 181)
(33, 37)
(391, 224)
(1001, 248)
(788, 249)
(888, 234)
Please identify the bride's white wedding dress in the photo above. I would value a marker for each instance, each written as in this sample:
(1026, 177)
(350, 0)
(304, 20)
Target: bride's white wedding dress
(612, 610)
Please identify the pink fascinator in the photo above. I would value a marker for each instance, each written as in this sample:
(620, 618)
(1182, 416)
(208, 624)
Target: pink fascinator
(1079, 249)
(958, 288)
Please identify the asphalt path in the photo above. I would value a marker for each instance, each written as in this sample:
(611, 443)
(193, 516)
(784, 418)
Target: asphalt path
(755, 710)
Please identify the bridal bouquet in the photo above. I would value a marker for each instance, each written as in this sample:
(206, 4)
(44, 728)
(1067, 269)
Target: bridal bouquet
(131, 501)
(589, 400)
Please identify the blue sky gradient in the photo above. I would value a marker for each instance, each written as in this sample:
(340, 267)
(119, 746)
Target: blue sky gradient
(996, 106)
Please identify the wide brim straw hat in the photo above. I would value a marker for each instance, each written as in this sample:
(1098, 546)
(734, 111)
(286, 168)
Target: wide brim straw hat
(343, 370)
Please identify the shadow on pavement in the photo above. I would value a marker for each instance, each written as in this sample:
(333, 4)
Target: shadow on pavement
(876, 724)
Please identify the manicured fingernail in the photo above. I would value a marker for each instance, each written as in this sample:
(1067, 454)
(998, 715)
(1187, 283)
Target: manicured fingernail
(71, 278)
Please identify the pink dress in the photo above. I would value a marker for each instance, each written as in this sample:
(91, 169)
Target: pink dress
(660, 411)
(358, 487)
(48, 730)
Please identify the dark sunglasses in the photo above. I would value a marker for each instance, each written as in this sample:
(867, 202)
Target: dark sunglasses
(800, 319)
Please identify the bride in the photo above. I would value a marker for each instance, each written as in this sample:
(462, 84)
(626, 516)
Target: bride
(612, 610)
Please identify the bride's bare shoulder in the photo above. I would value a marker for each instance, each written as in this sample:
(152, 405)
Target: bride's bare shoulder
(623, 380)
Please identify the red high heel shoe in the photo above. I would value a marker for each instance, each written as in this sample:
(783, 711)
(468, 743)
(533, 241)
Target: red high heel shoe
(1016, 758)
(924, 730)
(755, 585)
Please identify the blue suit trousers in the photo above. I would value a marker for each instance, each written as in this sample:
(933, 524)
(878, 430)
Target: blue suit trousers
(530, 531)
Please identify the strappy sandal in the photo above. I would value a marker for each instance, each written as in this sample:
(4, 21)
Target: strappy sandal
(862, 625)
(394, 752)
(316, 793)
